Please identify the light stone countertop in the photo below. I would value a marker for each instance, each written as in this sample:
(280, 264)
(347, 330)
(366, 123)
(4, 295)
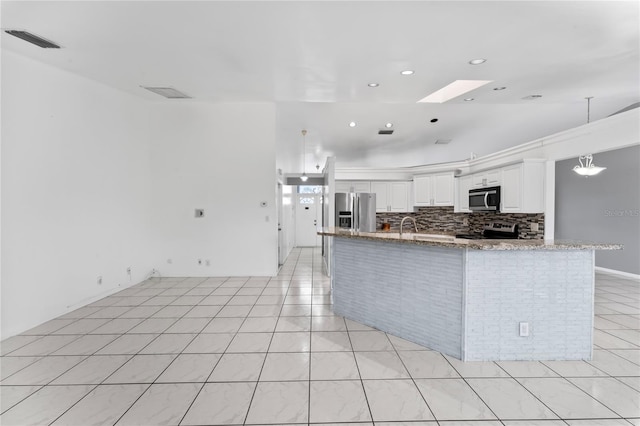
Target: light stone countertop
(443, 239)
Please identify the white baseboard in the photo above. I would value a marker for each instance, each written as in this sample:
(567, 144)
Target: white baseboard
(618, 273)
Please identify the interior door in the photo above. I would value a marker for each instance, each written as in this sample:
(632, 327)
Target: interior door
(281, 235)
(307, 224)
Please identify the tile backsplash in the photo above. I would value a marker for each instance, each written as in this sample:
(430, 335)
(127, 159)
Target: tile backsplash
(443, 219)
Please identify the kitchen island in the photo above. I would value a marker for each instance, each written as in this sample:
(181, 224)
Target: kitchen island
(475, 300)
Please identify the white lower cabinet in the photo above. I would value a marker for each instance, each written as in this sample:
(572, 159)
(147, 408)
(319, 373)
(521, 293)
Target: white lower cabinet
(391, 196)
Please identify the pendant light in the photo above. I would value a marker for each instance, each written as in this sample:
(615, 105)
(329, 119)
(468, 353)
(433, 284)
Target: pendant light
(587, 168)
(304, 176)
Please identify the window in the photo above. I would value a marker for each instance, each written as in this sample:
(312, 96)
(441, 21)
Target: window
(307, 200)
(309, 189)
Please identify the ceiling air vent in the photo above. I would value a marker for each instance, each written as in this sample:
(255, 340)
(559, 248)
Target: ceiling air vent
(385, 132)
(443, 141)
(33, 39)
(167, 92)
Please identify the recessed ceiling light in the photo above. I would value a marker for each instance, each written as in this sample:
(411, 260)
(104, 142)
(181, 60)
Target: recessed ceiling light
(477, 61)
(373, 84)
(352, 124)
(453, 90)
(499, 88)
(407, 72)
(468, 99)
(388, 125)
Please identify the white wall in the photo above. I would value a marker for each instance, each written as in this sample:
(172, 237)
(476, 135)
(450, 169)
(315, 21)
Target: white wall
(75, 192)
(220, 158)
(288, 160)
(288, 224)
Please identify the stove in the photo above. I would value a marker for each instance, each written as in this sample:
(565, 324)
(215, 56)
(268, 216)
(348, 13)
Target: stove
(495, 231)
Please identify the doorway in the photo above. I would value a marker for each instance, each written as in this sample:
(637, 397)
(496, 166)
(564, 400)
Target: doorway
(308, 219)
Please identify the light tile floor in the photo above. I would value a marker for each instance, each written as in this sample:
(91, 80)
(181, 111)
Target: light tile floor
(234, 351)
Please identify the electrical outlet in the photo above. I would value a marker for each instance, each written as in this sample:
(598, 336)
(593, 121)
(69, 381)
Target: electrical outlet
(129, 270)
(199, 261)
(524, 329)
(99, 280)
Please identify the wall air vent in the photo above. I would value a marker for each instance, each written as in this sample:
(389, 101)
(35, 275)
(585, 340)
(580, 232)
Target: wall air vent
(443, 141)
(33, 39)
(385, 132)
(167, 92)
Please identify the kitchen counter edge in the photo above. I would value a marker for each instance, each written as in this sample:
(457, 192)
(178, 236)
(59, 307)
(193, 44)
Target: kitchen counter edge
(437, 241)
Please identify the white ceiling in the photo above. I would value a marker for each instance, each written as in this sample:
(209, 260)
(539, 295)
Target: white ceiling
(314, 60)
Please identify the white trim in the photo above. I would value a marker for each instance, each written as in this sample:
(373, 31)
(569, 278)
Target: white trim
(618, 273)
(550, 201)
(594, 137)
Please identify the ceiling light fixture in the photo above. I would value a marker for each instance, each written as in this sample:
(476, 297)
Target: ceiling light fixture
(388, 125)
(373, 84)
(468, 99)
(304, 176)
(434, 120)
(407, 72)
(352, 124)
(477, 61)
(587, 168)
(453, 90)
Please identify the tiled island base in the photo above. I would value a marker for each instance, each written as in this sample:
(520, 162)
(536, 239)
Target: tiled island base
(470, 303)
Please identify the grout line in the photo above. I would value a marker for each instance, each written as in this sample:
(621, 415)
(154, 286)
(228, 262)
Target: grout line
(302, 260)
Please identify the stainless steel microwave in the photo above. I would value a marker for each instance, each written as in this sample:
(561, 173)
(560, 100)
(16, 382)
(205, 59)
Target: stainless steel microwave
(484, 199)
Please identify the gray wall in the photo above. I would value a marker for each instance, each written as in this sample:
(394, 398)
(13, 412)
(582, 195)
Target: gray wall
(603, 208)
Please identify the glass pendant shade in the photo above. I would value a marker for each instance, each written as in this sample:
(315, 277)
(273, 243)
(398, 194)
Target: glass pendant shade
(587, 168)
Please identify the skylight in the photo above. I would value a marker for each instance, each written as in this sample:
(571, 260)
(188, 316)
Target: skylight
(453, 90)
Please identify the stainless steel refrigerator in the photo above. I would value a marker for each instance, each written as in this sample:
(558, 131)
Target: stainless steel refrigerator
(356, 211)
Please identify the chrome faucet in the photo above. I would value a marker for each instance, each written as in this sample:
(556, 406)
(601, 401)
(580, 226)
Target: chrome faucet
(415, 225)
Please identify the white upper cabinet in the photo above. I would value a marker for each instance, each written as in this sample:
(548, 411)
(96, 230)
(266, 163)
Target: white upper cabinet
(422, 188)
(487, 178)
(391, 196)
(463, 185)
(522, 189)
(434, 190)
(353, 186)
